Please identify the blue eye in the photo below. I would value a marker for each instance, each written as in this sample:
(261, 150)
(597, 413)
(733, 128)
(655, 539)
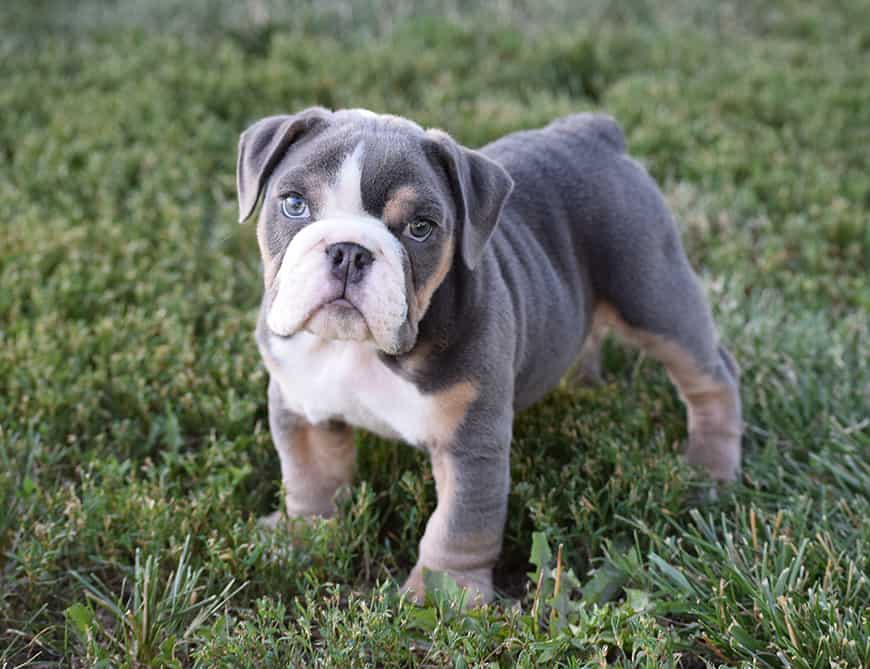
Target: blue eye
(294, 206)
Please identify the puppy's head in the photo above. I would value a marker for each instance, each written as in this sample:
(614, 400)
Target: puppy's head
(362, 218)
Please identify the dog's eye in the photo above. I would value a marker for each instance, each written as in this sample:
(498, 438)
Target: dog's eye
(294, 206)
(419, 230)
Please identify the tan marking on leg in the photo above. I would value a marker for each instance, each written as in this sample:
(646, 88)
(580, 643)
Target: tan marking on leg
(451, 406)
(399, 207)
(713, 406)
(467, 552)
(427, 290)
(316, 463)
(467, 558)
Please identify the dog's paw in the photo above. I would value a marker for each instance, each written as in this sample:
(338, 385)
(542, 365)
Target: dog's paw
(280, 520)
(477, 584)
(716, 453)
(272, 520)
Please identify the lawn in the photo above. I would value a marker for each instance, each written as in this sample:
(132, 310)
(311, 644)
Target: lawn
(135, 456)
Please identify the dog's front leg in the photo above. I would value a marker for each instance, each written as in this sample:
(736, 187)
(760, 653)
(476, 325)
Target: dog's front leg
(316, 460)
(463, 536)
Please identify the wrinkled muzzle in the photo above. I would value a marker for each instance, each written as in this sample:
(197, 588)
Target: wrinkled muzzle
(314, 293)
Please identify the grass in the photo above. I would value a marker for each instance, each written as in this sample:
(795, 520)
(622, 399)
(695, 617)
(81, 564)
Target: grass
(134, 452)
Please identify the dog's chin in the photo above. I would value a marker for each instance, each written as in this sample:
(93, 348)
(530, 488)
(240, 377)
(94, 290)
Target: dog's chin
(339, 320)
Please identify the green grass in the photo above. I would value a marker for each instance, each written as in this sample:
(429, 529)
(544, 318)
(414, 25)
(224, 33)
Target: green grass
(134, 451)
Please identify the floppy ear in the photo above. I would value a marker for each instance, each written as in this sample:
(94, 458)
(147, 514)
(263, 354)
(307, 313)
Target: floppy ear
(263, 145)
(480, 188)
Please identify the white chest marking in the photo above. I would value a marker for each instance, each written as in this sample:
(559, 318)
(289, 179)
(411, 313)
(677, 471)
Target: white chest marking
(345, 380)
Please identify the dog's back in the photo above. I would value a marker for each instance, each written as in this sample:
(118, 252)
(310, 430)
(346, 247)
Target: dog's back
(573, 182)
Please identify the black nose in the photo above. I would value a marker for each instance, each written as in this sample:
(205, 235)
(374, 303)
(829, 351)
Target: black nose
(348, 261)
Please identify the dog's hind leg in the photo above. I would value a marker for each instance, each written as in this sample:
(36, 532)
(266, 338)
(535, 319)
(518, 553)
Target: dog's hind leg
(665, 314)
(587, 366)
(706, 378)
(654, 301)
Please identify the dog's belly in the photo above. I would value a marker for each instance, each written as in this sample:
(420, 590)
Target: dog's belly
(345, 380)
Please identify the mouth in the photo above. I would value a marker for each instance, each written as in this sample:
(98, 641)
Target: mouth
(338, 319)
(340, 303)
(341, 311)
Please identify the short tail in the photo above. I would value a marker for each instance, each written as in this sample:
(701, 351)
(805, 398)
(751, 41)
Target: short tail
(602, 127)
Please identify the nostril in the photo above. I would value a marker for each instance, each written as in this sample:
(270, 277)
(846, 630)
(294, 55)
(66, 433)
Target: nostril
(362, 258)
(336, 254)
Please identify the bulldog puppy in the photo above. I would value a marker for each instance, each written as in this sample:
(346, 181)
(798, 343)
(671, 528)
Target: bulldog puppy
(427, 292)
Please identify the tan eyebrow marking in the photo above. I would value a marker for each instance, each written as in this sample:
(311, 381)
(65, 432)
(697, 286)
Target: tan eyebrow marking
(400, 206)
